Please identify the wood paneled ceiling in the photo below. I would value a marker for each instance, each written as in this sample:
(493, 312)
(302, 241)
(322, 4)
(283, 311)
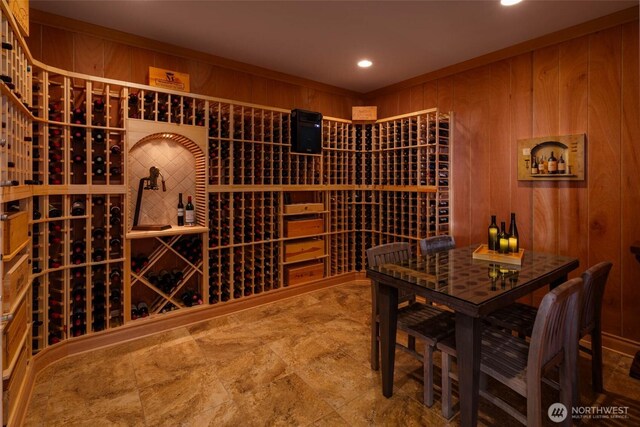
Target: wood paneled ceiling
(323, 40)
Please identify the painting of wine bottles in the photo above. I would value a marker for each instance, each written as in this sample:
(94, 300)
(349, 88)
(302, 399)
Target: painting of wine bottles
(552, 158)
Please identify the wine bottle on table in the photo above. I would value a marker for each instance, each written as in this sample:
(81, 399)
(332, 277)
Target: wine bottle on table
(493, 234)
(189, 213)
(514, 237)
(180, 210)
(503, 239)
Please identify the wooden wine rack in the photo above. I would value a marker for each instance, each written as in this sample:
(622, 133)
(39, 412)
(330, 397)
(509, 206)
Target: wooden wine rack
(70, 138)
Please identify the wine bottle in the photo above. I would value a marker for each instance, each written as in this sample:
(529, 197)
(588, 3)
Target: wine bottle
(77, 208)
(98, 136)
(77, 158)
(542, 166)
(190, 216)
(493, 234)
(98, 254)
(180, 210)
(562, 166)
(514, 237)
(98, 233)
(552, 164)
(54, 212)
(503, 239)
(98, 166)
(534, 165)
(143, 309)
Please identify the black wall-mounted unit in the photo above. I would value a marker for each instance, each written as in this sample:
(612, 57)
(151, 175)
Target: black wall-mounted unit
(306, 132)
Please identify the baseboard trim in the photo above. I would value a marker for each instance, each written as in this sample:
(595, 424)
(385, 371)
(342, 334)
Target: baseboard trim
(618, 344)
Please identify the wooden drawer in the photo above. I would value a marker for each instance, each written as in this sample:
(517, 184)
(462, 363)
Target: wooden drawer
(13, 334)
(303, 273)
(303, 227)
(13, 391)
(14, 281)
(16, 228)
(301, 208)
(303, 249)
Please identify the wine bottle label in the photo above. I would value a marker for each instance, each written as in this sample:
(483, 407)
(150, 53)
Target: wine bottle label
(190, 217)
(562, 167)
(180, 212)
(552, 166)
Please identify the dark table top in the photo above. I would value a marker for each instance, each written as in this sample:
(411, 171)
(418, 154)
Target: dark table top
(474, 286)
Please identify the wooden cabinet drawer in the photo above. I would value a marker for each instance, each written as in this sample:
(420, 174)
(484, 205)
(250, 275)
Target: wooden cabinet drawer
(303, 273)
(299, 208)
(14, 333)
(15, 281)
(14, 390)
(303, 227)
(15, 232)
(301, 250)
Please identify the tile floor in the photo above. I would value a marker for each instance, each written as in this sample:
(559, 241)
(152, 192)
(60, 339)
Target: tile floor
(301, 361)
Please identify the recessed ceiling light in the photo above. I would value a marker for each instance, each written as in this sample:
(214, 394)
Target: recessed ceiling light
(365, 63)
(509, 2)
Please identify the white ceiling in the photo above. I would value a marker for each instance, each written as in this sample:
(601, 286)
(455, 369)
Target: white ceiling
(322, 40)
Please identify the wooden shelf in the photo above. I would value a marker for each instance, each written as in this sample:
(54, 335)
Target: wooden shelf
(173, 231)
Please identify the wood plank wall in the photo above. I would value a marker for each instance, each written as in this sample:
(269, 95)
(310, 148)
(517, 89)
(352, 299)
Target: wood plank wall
(585, 85)
(64, 43)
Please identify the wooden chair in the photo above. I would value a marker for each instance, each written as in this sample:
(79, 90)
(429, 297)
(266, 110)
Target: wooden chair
(519, 364)
(436, 244)
(520, 318)
(416, 319)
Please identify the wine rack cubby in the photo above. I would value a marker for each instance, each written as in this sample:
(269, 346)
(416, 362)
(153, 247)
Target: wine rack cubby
(68, 160)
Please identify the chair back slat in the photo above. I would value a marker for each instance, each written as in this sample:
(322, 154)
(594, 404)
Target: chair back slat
(435, 244)
(390, 252)
(556, 325)
(595, 280)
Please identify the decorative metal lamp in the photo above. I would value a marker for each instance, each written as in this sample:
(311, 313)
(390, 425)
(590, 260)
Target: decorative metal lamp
(151, 184)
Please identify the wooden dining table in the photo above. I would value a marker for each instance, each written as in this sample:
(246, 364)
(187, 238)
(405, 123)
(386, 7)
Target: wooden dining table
(470, 287)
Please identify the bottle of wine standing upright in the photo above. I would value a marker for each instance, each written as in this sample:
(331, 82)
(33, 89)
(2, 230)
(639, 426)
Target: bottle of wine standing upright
(503, 239)
(189, 213)
(180, 210)
(514, 237)
(493, 234)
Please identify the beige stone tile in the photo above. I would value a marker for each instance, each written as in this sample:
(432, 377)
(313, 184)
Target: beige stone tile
(250, 370)
(100, 379)
(175, 400)
(123, 409)
(282, 308)
(372, 408)
(287, 401)
(338, 378)
(302, 348)
(226, 414)
(318, 314)
(230, 343)
(210, 326)
(164, 362)
(331, 420)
